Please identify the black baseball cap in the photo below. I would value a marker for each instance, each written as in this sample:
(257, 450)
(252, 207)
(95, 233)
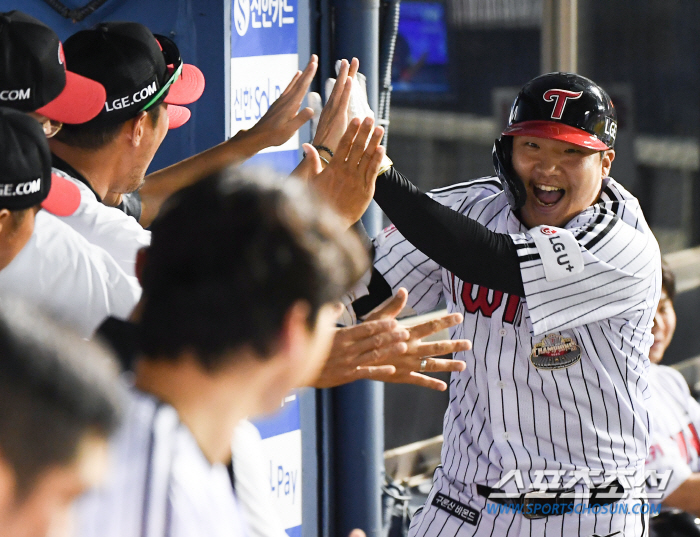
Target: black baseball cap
(33, 75)
(25, 168)
(138, 69)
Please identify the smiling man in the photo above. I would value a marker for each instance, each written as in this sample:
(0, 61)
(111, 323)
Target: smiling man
(557, 275)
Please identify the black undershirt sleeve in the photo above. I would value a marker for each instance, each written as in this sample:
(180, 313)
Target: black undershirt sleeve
(461, 245)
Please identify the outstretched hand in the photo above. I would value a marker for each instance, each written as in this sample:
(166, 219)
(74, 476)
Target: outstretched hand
(408, 364)
(347, 183)
(333, 121)
(380, 349)
(284, 118)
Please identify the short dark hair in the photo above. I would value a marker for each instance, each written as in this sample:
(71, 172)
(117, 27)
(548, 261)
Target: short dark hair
(668, 280)
(54, 389)
(97, 133)
(231, 254)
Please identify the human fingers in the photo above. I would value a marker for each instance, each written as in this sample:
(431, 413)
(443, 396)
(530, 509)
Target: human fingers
(358, 147)
(438, 348)
(347, 139)
(425, 329)
(372, 147)
(438, 365)
(374, 372)
(301, 82)
(412, 378)
(352, 334)
(354, 67)
(339, 82)
(302, 117)
(380, 343)
(391, 307)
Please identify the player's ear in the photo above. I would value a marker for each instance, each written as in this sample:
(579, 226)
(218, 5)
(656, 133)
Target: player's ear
(136, 128)
(606, 161)
(5, 219)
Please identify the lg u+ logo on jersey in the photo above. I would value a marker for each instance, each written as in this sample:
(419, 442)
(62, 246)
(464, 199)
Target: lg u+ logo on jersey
(560, 98)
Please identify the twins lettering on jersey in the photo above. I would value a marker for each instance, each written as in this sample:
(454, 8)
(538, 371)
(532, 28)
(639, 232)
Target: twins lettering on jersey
(126, 101)
(480, 301)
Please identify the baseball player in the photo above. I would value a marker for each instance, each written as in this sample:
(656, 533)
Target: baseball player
(43, 260)
(53, 385)
(239, 308)
(673, 465)
(558, 276)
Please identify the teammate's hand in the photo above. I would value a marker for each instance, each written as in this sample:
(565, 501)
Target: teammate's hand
(284, 118)
(408, 363)
(347, 183)
(356, 347)
(333, 121)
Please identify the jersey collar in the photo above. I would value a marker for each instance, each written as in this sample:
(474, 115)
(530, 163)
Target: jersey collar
(66, 168)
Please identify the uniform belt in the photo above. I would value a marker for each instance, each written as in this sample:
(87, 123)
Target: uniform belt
(531, 504)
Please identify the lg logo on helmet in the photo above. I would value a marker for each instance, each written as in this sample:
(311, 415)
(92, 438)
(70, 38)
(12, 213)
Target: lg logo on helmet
(560, 98)
(611, 128)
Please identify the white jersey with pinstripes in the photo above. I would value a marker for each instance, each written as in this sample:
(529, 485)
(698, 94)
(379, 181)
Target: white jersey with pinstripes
(675, 424)
(506, 414)
(159, 483)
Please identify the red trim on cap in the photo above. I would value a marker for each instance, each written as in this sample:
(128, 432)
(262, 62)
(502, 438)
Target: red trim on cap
(553, 130)
(63, 198)
(177, 116)
(80, 101)
(188, 88)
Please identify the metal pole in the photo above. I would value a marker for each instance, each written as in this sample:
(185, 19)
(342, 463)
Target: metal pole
(359, 407)
(559, 41)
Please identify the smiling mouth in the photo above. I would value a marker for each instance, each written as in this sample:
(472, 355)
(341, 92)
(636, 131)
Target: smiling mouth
(548, 196)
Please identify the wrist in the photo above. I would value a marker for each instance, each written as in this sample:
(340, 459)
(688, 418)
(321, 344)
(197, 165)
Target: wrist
(250, 140)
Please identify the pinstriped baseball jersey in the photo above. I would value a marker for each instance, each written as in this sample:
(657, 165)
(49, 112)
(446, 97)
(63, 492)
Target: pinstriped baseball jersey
(557, 380)
(159, 483)
(675, 422)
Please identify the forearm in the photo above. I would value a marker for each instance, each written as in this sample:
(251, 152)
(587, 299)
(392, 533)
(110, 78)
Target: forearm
(687, 496)
(459, 244)
(162, 184)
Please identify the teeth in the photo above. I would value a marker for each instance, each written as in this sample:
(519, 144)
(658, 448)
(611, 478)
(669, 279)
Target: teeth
(548, 188)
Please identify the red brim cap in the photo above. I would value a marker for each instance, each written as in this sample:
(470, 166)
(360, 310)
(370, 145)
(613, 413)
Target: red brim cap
(80, 101)
(63, 198)
(188, 87)
(177, 116)
(556, 131)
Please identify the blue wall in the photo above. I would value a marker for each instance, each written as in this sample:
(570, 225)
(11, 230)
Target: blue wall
(201, 30)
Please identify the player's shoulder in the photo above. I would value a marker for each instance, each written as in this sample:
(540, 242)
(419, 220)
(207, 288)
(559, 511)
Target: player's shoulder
(491, 185)
(460, 196)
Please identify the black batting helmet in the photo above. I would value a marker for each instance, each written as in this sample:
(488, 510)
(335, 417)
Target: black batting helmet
(559, 106)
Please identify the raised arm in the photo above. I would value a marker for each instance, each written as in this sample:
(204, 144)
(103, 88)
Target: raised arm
(278, 125)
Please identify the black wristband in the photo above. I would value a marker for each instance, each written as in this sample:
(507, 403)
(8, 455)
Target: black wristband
(324, 148)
